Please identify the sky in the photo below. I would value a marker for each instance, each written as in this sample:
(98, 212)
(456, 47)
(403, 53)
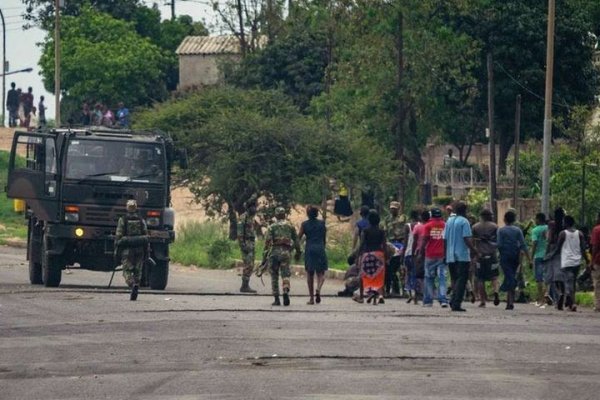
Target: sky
(22, 50)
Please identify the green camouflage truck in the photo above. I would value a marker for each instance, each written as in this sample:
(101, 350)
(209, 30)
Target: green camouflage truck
(76, 182)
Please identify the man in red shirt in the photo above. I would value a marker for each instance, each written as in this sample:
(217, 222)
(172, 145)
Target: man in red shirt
(433, 247)
(595, 265)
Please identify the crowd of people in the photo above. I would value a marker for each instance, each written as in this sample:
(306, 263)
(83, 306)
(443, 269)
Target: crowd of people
(22, 111)
(433, 256)
(101, 115)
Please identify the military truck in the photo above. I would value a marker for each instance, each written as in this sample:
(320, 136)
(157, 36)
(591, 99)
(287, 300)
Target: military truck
(76, 182)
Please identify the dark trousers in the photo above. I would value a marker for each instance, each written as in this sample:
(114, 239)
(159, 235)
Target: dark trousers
(392, 281)
(461, 270)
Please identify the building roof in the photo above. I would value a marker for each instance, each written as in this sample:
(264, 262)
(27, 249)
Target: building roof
(206, 45)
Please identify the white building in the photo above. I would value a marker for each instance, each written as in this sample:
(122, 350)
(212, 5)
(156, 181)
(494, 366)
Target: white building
(201, 56)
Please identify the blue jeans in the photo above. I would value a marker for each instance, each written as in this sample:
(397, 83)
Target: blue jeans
(539, 269)
(435, 267)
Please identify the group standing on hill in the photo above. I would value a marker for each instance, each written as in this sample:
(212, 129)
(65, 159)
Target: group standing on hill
(21, 108)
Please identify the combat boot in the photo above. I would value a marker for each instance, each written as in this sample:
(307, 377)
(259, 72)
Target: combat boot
(276, 302)
(286, 298)
(134, 293)
(246, 288)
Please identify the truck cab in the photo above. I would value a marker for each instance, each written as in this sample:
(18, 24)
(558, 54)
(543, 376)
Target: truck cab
(76, 182)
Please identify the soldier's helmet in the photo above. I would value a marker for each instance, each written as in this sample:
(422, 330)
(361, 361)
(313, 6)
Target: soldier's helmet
(131, 206)
(280, 212)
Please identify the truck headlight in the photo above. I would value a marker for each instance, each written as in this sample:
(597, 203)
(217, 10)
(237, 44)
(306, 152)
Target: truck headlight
(71, 214)
(153, 218)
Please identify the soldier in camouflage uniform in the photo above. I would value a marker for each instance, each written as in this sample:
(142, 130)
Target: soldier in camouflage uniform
(281, 237)
(246, 236)
(396, 233)
(132, 238)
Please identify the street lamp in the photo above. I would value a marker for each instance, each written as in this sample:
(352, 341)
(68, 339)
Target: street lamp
(17, 71)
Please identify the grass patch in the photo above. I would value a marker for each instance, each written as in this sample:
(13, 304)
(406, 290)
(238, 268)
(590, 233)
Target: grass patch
(12, 224)
(204, 245)
(585, 299)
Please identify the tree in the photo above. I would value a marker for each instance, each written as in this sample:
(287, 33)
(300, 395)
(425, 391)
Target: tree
(245, 142)
(104, 59)
(515, 32)
(294, 62)
(146, 21)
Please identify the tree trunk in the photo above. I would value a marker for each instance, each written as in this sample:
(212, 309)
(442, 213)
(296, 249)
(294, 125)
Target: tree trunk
(243, 42)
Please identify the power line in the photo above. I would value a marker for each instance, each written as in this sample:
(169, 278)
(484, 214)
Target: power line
(531, 92)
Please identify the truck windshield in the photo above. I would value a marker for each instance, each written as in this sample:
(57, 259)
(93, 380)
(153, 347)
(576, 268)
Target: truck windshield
(115, 161)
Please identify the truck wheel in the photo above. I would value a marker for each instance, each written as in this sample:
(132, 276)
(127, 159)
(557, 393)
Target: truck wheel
(51, 267)
(35, 267)
(159, 275)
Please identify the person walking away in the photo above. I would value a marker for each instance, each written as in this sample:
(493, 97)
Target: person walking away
(459, 247)
(538, 251)
(12, 105)
(122, 115)
(572, 252)
(418, 256)
(315, 258)
(410, 285)
(28, 105)
(246, 236)
(552, 262)
(281, 237)
(42, 112)
(361, 225)
(395, 229)
(34, 122)
(372, 261)
(21, 109)
(132, 237)
(486, 265)
(433, 249)
(595, 264)
(511, 245)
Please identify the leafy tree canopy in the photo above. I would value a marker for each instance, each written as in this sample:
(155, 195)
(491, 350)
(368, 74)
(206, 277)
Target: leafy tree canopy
(242, 142)
(104, 59)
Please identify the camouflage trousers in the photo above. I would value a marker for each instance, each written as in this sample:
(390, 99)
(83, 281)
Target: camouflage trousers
(248, 256)
(280, 265)
(132, 262)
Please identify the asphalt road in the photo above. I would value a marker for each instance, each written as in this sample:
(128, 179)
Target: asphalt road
(201, 340)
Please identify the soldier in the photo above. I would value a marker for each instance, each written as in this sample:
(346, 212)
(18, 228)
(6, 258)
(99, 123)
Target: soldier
(132, 238)
(280, 238)
(396, 233)
(246, 236)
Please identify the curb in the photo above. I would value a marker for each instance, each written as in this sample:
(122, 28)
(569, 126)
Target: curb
(298, 270)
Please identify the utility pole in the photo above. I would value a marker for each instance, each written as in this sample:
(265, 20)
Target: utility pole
(517, 144)
(490, 68)
(399, 122)
(548, 108)
(57, 63)
(242, 33)
(173, 10)
(3, 67)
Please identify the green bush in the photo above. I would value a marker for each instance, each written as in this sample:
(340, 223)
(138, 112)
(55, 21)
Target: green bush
(195, 245)
(219, 253)
(12, 224)
(442, 201)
